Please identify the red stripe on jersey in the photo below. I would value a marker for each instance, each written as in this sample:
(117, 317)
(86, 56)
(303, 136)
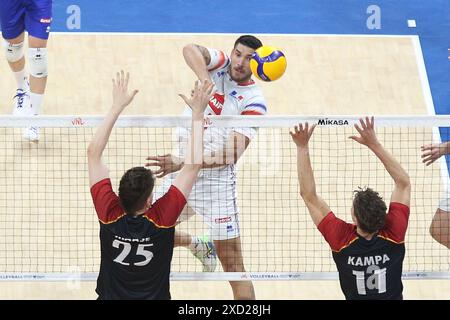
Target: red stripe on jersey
(396, 223)
(166, 210)
(248, 83)
(338, 233)
(220, 63)
(251, 112)
(106, 202)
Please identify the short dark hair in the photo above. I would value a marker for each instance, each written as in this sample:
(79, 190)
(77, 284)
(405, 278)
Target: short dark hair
(369, 209)
(248, 41)
(135, 187)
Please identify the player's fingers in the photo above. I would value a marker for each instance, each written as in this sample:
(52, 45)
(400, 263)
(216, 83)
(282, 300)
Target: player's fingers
(184, 98)
(134, 93)
(162, 174)
(163, 158)
(118, 78)
(363, 125)
(296, 129)
(127, 78)
(159, 171)
(154, 158)
(122, 78)
(426, 153)
(153, 164)
(306, 126)
(196, 86)
(357, 139)
(372, 122)
(428, 158)
(209, 91)
(312, 128)
(358, 128)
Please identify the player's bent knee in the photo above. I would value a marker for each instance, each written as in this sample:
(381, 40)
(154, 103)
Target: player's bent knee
(38, 62)
(13, 52)
(439, 228)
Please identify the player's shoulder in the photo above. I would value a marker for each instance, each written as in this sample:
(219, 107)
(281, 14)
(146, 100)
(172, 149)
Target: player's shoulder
(252, 97)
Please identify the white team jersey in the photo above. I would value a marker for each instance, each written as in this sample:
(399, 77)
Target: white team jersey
(214, 193)
(230, 99)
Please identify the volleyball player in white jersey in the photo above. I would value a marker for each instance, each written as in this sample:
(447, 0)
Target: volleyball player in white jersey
(214, 194)
(440, 225)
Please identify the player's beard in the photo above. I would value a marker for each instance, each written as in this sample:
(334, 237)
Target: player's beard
(240, 75)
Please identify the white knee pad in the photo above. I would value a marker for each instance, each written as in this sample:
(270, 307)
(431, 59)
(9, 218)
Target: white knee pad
(37, 62)
(13, 52)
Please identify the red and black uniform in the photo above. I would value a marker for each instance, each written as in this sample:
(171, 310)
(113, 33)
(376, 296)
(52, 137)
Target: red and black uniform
(136, 252)
(369, 269)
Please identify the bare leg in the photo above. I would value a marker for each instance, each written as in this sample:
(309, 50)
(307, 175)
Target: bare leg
(440, 227)
(182, 239)
(230, 255)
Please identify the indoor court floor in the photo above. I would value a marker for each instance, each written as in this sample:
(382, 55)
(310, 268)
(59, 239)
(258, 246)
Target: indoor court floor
(327, 74)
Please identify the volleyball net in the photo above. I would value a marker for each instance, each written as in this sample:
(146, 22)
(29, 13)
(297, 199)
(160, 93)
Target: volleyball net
(49, 229)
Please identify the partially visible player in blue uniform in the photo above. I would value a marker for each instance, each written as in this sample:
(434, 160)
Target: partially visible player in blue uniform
(33, 16)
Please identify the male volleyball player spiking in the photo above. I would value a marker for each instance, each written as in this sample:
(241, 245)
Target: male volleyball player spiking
(214, 194)
(440, 225)
(35, 17)
(369, 253)
(137, 237)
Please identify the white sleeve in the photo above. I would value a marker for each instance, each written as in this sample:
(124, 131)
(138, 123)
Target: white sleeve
(254, 106)
(219, 60)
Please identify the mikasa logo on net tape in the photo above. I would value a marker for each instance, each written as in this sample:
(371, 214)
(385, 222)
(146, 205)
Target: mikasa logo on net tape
(332, 122)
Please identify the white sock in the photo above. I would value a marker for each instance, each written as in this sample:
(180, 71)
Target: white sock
(21, 79)
(35, 103)
(194, 243)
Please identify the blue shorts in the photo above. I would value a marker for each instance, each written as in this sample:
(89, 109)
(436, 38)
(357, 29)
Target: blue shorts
(34, 16)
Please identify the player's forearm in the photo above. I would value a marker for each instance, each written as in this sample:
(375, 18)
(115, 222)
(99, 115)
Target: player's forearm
(196, 61)
(218, 159)
(100, 139)
(305, 173)
(445, 148)
(393, 167)
(194, 152)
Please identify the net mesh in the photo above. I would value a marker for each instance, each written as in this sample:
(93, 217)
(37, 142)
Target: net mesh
(48, 223)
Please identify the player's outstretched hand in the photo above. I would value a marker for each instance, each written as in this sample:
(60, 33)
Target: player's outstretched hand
(166, 163)
(121, 96)
(302, 134)
(367, 132)
(199, 96)
(432, 152)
